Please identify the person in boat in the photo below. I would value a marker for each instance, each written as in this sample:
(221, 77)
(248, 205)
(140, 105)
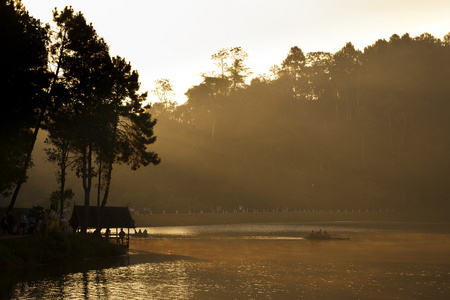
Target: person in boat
(145, 232)
(325, 234)
(312, 234)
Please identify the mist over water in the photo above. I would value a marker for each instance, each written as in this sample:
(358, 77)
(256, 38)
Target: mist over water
(409, 261)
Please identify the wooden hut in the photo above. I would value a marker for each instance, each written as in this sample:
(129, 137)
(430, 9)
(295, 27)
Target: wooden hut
(112, 217)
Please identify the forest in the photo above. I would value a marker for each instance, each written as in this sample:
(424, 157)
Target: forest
(351, 129)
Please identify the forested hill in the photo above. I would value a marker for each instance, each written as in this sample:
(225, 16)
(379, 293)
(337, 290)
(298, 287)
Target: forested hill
(352, 129)
(349, 129)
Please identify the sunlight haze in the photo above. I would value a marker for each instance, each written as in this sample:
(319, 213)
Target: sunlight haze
(175, 39)
(293, 149)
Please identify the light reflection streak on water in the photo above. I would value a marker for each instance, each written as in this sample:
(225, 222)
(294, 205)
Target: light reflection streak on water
(229, 229)
(256, 230)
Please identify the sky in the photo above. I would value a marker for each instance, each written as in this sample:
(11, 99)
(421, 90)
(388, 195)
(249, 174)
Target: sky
(174, 39)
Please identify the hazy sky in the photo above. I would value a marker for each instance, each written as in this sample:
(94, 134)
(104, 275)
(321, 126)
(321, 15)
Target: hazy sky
(175, 39)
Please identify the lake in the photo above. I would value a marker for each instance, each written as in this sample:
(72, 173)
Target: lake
(257, 261)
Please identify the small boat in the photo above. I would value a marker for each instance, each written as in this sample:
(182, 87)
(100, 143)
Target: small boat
(325, 238)
(140, 233)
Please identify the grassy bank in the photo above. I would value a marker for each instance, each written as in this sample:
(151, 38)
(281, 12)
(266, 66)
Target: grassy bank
(291, 217)
(53, 248)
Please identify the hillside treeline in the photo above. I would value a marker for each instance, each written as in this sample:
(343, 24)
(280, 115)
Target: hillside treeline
(351, 129)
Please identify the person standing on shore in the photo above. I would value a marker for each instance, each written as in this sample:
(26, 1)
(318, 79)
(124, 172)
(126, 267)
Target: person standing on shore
(121, 235)
(23, 223)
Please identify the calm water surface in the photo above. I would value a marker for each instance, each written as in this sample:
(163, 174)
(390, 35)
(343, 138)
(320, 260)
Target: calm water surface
(380, 261)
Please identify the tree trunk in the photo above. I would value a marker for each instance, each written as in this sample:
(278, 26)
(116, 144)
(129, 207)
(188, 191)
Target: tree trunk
(109, 172)
(63, 186)
(87, 183)
(99, 183)
(64, 165)
(107, 183)
(26, 163)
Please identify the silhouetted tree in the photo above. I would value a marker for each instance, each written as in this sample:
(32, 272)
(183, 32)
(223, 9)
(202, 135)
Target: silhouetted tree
(221, 60)
(233, 71)
(293, 68)
(130, 126)
(294, 62)
(237, 70)
(86, 65)
(106, 113)
(24, 82)
(346, 81)
(55, 200)
(60, 141)
(447, 39)
(318, 68)
(165, 94)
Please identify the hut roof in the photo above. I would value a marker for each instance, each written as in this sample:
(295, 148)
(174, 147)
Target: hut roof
(110, 217)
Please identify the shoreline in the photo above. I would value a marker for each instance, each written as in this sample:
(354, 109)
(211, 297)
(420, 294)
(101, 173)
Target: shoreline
(53, 248)
(162, 220)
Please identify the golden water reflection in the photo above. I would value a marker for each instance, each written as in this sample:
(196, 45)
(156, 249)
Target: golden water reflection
(371, 265)
(142, 281)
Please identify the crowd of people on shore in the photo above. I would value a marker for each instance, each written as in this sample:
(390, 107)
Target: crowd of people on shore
(31, 224)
